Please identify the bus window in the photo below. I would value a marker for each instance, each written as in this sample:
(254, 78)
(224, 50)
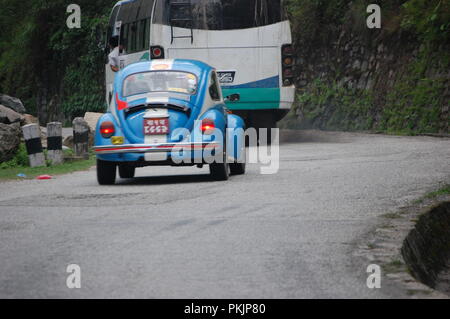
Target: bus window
(134, 17)
(147, 34)
(221, 14)
(139, 36)
(133, 36)
(250, 13)
(112, 25)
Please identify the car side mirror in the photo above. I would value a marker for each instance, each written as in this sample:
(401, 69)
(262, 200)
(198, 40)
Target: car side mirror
(233, 98)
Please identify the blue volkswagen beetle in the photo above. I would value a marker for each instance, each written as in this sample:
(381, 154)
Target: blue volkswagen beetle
(168, 112)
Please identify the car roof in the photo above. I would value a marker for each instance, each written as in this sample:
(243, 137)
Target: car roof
(191, 66)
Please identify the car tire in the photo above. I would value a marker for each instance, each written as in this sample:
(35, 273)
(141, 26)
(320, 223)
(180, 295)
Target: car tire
(220, 171)
(237, 168)
(126, 171)
(106, 172)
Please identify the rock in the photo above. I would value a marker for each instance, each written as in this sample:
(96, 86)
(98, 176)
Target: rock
(81, 133)
(9, 140)
(9, 116)
(30, 119)
(361, 83)
(356, 64)
(13, 103)
(364, 66)
(92, 119)
(380, 48)
(68, 141)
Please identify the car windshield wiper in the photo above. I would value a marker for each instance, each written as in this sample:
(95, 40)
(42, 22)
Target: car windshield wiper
(141, 107)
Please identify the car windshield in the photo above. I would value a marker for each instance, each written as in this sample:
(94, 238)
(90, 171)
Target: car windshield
(160, 81)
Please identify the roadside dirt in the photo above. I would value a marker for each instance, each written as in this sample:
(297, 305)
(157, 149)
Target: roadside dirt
(383, 246)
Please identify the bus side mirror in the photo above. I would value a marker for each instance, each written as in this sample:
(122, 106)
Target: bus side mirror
(233, 98)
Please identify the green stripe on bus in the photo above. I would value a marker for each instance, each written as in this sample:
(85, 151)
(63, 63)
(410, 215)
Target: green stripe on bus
(255, 99)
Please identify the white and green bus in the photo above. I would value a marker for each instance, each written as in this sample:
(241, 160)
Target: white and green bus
(247, 41)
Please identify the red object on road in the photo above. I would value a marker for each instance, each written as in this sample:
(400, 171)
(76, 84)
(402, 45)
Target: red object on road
(44, 177)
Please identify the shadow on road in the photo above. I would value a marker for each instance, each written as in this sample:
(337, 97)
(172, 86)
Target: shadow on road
(315, 136)
(165, 180)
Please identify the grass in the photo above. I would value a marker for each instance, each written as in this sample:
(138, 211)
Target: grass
(412, 292)
(31, 173)
(19, 165)
(440, 192)
(394, 266)
(443, 191)
(392, 215)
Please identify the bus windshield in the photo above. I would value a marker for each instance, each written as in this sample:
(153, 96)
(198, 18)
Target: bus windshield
(160, 81)
(220, 14)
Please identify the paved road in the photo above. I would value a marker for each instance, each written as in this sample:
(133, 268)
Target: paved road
(172, 233)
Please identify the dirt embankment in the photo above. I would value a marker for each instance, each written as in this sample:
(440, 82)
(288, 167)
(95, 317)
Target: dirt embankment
(426, 249)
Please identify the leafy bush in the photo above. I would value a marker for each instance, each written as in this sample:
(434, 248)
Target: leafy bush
(19, 160)
(333, 106)
(412, 101)
(429, 19)
(53, 69)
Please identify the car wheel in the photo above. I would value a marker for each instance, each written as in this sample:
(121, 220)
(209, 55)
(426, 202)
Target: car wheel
(126, 171)
(238, 168)
(106, 172)
(220, 171)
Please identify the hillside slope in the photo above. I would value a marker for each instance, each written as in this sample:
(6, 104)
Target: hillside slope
(350, 77)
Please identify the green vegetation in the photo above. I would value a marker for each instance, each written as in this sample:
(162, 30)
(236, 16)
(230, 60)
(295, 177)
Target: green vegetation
(413, 101)
(54, 70)
(69, 167)
(429, 19)
(443, 191)
(432, 195)
(20, 165)
(19, 160)
(394, 266)
(334, 107)
(58, 72)
(392, 215)
(31, 173)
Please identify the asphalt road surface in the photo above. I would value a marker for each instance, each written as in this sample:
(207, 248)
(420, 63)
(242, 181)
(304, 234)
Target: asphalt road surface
(173, 233)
